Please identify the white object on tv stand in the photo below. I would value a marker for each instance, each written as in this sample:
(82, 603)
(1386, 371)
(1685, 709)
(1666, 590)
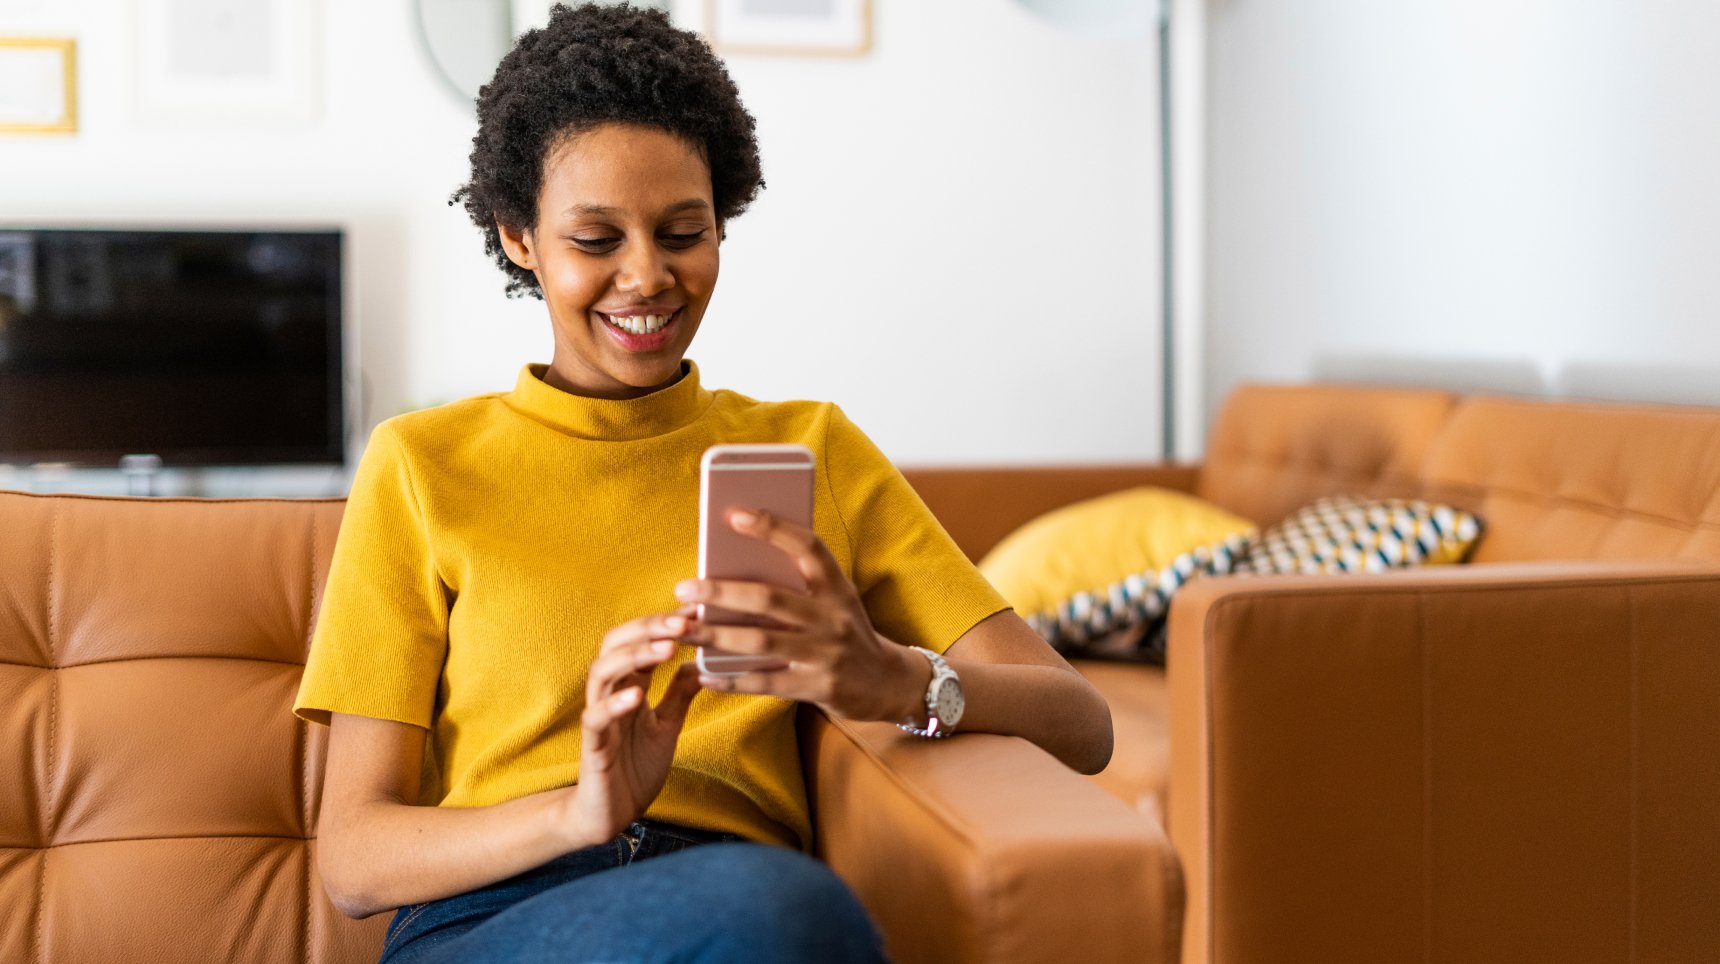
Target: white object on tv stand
(140, 473)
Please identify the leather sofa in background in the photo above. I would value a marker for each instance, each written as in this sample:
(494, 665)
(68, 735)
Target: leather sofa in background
(1516, 760)
(159, 800)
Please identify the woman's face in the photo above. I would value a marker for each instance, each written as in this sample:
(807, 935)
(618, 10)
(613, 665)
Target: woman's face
(625, 251)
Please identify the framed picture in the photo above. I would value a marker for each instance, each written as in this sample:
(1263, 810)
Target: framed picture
(800, 27)
(38, 85)
(228, 61)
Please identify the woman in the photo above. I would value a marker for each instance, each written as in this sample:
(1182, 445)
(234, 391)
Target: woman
(523, 757)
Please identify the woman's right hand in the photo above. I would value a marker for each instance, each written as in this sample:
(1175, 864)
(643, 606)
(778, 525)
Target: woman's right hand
(627, 743)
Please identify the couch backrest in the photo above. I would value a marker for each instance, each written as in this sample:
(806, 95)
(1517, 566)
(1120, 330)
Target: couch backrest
(1582, 480)
(159, 799)
(1276, 448)
(1551, 479)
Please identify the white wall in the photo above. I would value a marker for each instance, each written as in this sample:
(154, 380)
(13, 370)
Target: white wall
(958, 243)
(1515, 194)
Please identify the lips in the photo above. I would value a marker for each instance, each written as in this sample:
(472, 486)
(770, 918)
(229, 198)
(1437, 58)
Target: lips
(641, 342)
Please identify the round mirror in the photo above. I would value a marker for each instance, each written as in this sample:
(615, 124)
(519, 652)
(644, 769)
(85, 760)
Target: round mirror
(465, 39)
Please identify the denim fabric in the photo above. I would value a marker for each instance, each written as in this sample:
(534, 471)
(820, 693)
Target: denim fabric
(658, 892)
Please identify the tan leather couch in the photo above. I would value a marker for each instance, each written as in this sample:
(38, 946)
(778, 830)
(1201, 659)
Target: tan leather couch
(1512, 761)
(158, 799)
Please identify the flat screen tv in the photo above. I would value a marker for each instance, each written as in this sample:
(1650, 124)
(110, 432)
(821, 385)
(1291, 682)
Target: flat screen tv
(203, 347)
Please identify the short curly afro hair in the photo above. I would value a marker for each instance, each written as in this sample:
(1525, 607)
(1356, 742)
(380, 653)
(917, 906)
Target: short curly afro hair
(589, 66)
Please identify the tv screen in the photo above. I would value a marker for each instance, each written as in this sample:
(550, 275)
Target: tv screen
(202, 347)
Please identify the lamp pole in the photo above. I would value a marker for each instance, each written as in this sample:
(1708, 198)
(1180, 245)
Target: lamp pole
(1167, 241)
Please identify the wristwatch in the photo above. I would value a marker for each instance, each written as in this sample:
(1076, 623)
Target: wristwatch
(944, 700)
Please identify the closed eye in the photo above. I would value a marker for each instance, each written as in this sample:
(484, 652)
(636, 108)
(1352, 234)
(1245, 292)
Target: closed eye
(604, 244)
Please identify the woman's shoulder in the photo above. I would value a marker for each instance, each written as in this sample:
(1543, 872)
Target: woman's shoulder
(435, 428)
(799, 419)
(821, 426)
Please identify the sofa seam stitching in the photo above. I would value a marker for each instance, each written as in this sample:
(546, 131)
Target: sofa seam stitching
(1617, 513)
(1210, 842)
(48, 824)
(304, 748)
(1635, 791)
(1426, 778)
(1385, 586)
(135, 659)
(165, 836)
(169, 500)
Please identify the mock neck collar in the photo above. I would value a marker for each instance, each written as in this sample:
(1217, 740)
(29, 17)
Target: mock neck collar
(610, 419)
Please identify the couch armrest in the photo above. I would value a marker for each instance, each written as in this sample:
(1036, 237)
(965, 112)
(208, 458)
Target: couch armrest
(979, 505)
(1511, 762)
(985, 848)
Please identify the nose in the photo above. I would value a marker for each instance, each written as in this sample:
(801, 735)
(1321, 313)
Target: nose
(644, 271)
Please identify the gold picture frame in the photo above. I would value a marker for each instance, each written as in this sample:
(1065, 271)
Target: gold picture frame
(41, 96)
(848, 33)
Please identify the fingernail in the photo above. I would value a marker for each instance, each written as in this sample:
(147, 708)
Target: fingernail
(676, 624)
(743, 517)
(663, 647)
(686, 591)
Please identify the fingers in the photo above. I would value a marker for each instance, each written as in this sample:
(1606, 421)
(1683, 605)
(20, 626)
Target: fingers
(809, 552)
(624, 666)
(785, 683)
(671, 710)
(646, 628)
(598, 722)
(789, 644)
(758, 598)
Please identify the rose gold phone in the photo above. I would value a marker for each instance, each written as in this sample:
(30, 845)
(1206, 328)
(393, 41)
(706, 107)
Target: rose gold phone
(773, 478)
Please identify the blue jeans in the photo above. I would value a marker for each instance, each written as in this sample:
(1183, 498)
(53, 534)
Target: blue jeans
(658, 892)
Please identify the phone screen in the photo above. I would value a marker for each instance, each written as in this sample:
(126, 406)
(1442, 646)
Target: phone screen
(773, 478)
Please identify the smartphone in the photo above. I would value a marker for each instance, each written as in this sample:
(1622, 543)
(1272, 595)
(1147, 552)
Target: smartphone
(773, 478)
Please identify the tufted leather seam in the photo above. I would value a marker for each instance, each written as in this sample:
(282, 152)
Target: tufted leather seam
(166, 836)
(165, 500)
(1630, 596)
(1209, 837)
(1426, 777)
(1251, 460)
(1599, 508)
(48, 828)
(135, 659)
(305, 753)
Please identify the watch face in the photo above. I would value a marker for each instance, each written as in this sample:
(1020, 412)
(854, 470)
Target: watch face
(950, 703)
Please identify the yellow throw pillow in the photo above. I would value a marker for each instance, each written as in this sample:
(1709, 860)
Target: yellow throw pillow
(1104, 564)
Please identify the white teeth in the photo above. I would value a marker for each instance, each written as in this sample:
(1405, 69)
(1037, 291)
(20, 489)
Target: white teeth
(639, 324)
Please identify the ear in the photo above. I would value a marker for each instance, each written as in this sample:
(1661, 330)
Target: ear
(518, 245)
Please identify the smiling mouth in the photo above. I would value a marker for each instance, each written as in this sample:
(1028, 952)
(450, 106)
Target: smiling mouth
(640, 324)
(642, 333)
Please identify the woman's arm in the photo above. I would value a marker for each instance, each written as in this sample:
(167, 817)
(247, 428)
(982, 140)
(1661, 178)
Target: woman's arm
(379, 850)
(1017, 685)
(1013, 682)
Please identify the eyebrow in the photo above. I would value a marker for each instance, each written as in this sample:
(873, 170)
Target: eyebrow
(599, 209)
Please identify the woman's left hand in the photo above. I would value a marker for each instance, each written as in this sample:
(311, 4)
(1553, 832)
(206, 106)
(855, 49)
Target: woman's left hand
(834, 657)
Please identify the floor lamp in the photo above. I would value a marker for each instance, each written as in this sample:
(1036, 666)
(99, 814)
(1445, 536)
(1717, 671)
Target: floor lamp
(1128, 19)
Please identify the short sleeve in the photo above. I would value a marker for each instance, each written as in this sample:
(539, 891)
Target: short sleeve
(918, 586)
(382, 628)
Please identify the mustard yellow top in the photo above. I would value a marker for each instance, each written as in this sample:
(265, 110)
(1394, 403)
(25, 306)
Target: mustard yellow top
(489, 544)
